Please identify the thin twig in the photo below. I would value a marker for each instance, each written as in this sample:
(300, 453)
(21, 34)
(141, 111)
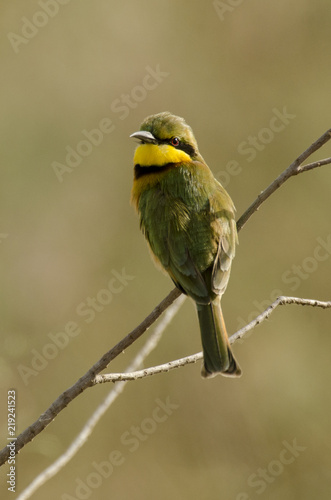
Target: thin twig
(166, 367)
(310, 166)
(280, 301)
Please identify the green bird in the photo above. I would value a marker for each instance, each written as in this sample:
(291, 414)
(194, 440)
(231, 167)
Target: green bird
(188, 220)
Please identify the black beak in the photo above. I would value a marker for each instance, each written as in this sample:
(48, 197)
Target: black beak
(144, 136)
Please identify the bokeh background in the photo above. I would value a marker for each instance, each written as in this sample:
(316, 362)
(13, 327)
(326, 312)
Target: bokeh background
(225, 67)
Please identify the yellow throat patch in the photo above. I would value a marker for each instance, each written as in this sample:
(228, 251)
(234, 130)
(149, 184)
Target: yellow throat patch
(148, 155)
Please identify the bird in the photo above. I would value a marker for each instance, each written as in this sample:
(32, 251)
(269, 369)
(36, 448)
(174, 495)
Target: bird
(188, 220)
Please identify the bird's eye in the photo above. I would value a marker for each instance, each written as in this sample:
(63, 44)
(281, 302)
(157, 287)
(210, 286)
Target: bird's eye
(175, 141)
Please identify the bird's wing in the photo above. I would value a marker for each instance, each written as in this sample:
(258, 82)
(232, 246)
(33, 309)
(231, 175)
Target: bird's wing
(174, 241)
(224, 227)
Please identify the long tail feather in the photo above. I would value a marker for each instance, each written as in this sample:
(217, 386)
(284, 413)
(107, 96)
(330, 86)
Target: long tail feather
(218, 357)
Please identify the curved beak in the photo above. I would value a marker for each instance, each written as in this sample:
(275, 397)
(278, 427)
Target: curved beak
(144, 136)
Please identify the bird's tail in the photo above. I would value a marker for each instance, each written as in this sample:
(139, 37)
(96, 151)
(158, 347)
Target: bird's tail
(217, 354)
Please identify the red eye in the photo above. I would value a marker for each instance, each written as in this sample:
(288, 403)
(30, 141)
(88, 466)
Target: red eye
(174, 141)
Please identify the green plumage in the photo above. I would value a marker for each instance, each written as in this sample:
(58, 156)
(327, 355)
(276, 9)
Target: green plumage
(188, 220)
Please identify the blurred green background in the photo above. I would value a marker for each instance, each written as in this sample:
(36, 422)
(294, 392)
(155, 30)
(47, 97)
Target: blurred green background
(225, 67)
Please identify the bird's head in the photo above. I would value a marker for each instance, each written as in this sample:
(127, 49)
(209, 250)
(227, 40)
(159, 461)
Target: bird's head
(164, 139)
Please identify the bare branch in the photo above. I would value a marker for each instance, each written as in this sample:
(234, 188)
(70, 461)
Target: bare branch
(280, 301)
(294, 169)
(87, 380)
